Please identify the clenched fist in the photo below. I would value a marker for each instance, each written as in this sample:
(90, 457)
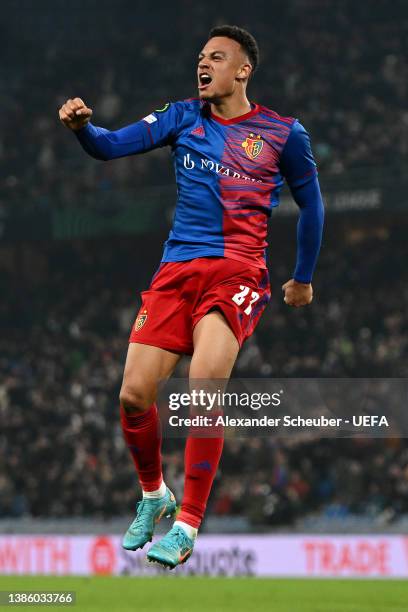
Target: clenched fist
(297, 294)
(75, 114)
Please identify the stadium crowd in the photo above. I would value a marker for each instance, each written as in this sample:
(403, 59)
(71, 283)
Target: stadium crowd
(338, 66)
(64, 328)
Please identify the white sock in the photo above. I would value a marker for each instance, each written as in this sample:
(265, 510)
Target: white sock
(157, 494)
(190, 531)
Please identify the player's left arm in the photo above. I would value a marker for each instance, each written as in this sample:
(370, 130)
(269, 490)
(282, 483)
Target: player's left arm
(299, 168)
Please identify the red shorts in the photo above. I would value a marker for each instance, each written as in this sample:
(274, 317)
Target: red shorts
(182, 292)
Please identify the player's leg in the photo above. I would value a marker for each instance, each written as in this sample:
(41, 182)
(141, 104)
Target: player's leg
(145, 367)
(215, 348)
(215, 351)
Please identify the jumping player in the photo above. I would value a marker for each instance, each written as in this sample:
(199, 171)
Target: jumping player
(231, 157)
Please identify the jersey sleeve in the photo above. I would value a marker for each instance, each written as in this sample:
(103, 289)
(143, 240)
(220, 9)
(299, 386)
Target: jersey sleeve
(155, 130)
(299, 168)
(297, 163)
(309, 228)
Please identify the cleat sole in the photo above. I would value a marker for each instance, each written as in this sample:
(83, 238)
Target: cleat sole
(161, 563)
(134, 548)
(168, 565)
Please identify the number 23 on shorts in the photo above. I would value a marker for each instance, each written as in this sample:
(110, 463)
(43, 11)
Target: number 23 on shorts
(245, 295)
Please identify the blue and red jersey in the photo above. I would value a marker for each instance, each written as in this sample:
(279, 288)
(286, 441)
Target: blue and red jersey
(229, 174)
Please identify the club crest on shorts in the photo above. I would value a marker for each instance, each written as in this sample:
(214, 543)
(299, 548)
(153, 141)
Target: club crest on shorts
(140, 320)
(253, 145)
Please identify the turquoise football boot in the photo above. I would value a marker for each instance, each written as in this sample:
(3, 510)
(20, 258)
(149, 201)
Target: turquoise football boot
(148, 514)
(175, 548)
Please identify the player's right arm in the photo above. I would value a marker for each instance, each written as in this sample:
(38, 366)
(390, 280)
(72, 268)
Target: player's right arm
(155, 130)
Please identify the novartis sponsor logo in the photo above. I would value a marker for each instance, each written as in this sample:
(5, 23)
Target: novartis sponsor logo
(212, 166)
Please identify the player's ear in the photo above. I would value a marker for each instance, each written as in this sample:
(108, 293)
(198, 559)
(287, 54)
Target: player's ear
(244, 72)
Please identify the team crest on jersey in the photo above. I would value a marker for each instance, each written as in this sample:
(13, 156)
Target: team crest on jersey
(140, 320)
(253, 145)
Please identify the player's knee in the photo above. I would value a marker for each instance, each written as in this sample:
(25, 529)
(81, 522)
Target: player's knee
(135, 398)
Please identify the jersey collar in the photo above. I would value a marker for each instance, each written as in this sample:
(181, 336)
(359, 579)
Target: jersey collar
(254, 111)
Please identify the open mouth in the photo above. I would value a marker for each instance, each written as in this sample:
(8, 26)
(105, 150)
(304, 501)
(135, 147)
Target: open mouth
(204, 80)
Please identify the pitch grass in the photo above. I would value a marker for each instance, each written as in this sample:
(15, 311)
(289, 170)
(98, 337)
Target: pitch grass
(178, 594)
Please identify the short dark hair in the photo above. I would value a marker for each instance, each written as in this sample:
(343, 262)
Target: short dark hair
(241, 36)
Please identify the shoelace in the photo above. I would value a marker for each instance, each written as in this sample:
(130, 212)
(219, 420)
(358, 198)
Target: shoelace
(178, 540)
(142, 511)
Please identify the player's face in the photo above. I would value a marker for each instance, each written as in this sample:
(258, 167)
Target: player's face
(222, 64)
